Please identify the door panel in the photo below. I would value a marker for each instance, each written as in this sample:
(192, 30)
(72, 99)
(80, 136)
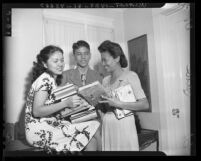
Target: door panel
(177, 60)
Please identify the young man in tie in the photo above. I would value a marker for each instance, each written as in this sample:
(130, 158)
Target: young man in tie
(82, 74)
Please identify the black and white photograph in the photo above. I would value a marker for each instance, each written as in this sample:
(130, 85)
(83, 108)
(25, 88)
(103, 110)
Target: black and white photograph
(98, 78)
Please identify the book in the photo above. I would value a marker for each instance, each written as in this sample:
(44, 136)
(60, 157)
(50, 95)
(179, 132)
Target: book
(87, 117)
(75, 110)
(92, 92)
(125, 94)
(82, 113)
(62, 93)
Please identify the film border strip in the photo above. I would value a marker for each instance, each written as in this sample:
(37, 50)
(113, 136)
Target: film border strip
(7, 9)
(85, 5)
(6, 13)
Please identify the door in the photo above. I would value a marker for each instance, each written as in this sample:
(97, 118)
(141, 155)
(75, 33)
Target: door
(177, 84)
(175, 63)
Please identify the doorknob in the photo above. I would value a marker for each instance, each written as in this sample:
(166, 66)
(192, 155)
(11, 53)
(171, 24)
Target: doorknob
(175, 111)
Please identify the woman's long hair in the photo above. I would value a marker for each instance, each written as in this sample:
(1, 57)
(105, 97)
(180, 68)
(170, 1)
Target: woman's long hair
(42, 58)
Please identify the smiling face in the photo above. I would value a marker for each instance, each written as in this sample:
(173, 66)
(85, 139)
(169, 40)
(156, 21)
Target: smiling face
(109, 62)
(82, 56)
(55, 63)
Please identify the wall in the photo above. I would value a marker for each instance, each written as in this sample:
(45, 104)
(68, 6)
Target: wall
(114, 14)
(138, 22)
(172, 37)
(130, 24)
(118, 23)
(21, 50)
(27, 40)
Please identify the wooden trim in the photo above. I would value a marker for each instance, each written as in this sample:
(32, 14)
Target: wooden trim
(77, 17)
(175, 8)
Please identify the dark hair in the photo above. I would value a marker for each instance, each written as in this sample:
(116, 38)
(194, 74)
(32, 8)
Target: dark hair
(42, 57)
(115, 50)
(80, 43)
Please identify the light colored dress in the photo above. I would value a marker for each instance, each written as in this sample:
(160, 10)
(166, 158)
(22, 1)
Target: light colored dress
(50, 133)
(121, 135)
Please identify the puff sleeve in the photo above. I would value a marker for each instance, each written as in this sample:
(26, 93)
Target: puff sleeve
(134, 80)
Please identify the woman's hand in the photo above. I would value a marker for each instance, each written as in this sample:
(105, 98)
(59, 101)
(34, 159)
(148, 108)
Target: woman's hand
(65, 111)
(114, 102)
(73, 101)
(84, 102)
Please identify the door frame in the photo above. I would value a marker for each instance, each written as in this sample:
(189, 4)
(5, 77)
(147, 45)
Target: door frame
(161, 38)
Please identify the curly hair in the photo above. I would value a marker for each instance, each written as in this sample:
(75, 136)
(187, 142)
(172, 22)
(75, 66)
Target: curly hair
(80, 43)
(42, 57)
(114, 50)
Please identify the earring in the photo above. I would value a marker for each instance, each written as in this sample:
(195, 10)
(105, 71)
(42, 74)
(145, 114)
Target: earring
(45, 65)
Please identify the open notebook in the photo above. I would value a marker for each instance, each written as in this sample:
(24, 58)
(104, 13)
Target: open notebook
(125, 94)
(92, 92)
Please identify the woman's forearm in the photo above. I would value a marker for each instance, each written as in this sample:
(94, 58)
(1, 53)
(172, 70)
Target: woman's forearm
(135, 106)
(47, 110)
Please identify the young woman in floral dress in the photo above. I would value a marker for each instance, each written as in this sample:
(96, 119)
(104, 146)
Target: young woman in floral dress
(43, 129)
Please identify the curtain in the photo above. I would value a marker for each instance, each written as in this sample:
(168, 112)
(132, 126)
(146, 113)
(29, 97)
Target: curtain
(65, 33)
(96, 35)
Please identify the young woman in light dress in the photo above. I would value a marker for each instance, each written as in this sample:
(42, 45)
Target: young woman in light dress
(119, 135)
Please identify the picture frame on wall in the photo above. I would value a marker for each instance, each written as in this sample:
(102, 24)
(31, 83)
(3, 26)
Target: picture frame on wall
(139, 63)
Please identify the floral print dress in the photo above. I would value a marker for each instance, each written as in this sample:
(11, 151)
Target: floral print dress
(51, 133)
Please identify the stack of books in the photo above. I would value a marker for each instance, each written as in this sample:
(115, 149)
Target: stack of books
(124, 94)
(85, 115)
(91, 93)
(62, 93)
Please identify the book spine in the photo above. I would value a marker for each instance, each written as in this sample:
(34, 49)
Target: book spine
(63, 97)
(64, 91)
(81, 114)
(89, 85)
(85, 118)
(62, 88)
(76, 111)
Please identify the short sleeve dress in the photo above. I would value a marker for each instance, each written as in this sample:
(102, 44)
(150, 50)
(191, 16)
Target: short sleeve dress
(121, 135)
(50, 133)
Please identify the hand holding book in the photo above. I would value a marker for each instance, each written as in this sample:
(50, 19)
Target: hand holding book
(81, 99)
(121, 95)
(92, 93)
(75, 101)
(111, 101)
(125, 94)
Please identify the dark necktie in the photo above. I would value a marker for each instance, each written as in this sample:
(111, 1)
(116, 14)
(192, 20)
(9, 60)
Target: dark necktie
(83, 79)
